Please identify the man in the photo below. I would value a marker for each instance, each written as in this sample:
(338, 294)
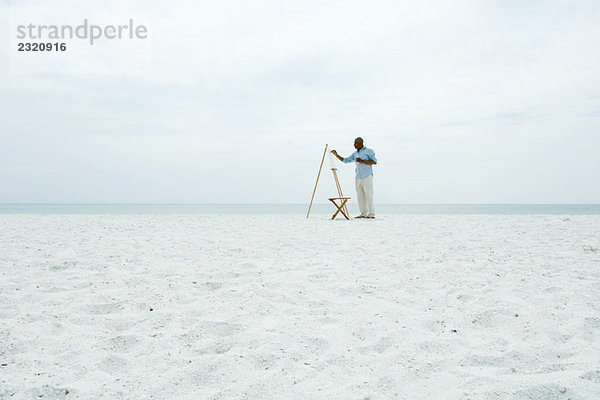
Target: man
(365, 159)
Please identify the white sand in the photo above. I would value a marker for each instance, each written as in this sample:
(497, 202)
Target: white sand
(277, 306)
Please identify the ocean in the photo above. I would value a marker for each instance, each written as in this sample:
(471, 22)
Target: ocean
(130, 208)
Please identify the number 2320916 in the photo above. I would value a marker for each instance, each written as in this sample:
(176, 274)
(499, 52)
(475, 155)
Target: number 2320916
(42, 46)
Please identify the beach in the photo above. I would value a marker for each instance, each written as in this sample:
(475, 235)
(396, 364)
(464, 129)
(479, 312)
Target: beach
(277, 306)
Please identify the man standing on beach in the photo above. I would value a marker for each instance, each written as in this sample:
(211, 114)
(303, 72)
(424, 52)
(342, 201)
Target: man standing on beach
(365, 159)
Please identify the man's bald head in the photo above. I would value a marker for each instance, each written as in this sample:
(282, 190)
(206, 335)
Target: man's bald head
(358, 143)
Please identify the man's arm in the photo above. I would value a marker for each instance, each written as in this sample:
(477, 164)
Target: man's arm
(371, 155)
(368, 162)
(337, 155)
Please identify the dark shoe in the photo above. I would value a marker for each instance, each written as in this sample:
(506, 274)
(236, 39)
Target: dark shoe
(360, 216)
(370, 217)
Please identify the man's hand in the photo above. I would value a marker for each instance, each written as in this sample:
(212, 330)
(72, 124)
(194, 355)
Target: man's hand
(368, 162)
(337, 155)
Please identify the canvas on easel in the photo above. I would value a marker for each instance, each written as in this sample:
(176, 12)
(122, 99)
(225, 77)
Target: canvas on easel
(340, 201)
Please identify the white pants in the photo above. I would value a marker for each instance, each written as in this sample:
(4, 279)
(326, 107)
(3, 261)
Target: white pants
(364, 192)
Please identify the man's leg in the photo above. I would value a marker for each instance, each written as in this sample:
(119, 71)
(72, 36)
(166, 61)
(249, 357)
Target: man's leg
(368, 190)
(360, 196)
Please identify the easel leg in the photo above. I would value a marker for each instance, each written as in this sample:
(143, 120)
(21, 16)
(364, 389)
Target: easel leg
(317, 182)
(343, 207)
(339, 189)
(340, 208)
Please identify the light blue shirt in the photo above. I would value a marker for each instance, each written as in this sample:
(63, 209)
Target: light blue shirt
(362, 170)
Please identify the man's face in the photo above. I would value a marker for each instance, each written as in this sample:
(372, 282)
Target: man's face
(358, 144)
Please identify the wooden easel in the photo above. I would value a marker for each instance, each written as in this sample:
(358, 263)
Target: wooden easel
(341, 207)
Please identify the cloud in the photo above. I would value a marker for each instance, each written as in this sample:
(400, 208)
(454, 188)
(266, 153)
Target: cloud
(457, 95)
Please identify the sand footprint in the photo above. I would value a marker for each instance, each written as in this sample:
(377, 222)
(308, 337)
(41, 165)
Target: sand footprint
(47, 392)
(547, 392)
(593, 376)
(212, 285)
(124, 344)
(107, 308)
(218, 328)
(8, 312)
(114, 365)
(383, 345)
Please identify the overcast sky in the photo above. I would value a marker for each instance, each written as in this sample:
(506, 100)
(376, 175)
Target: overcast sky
(234, 101)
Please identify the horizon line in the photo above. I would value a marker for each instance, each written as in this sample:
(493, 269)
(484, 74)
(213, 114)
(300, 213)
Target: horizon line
(284, 203)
